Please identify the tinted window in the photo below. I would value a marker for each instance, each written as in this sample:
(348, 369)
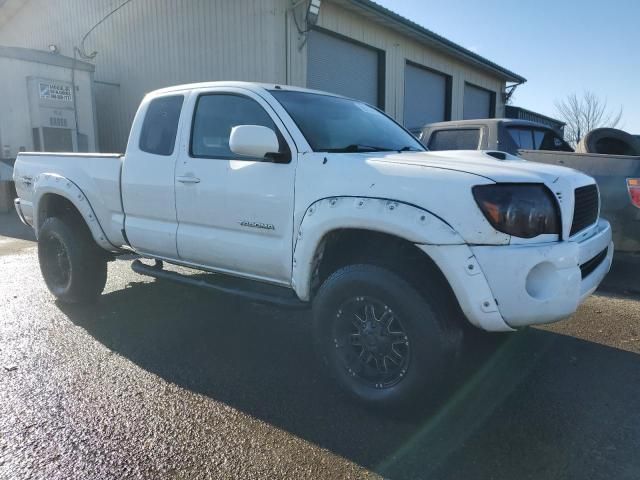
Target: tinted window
(216, 115)
(457, 139)
(548, 140)
(522, 136)
(335, 124)
(160, 126)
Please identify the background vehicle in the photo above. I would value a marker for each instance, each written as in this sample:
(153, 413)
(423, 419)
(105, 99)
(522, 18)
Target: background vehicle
(617, 175)
(302, 198)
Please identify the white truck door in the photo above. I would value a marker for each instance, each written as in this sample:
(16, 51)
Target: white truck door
(235, 213)
(148, 192)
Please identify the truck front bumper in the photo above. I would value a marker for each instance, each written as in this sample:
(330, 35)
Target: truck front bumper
(501, 288)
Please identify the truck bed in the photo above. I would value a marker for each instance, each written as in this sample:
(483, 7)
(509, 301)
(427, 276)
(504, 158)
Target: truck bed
(97, 175)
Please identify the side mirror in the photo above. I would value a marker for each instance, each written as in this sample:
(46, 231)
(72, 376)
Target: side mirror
(253, 141)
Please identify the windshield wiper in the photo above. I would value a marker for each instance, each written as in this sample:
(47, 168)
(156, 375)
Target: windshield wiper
(356, 147)
(409, 149)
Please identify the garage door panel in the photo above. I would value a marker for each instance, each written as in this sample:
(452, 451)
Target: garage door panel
(478, 102)
(426, 96)
(343, 67)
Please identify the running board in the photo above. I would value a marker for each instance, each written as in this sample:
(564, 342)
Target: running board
(251, 290)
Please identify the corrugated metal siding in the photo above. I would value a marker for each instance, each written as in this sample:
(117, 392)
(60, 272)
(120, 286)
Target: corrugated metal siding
(154, 43)
(150, 44)
(425, 97)
(342, 67)
(16, 120)
(477, 102)
(398, 50)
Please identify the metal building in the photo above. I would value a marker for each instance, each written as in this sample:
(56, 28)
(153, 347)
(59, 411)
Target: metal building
(47, 104)
(353, 47)
(520, 113)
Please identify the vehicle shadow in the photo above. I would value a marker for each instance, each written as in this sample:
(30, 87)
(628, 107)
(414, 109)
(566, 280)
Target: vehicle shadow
(541, 405)
(11, 226)
(623, 279)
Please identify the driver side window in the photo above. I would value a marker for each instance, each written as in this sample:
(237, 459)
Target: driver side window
(215, 115)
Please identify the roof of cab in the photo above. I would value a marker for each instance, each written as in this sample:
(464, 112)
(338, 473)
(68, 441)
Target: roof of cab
(253, 86)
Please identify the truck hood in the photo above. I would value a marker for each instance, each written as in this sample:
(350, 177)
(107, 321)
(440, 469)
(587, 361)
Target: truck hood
(439, 182)
(512, 169)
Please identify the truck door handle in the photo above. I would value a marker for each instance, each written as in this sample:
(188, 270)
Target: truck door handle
(188, 179)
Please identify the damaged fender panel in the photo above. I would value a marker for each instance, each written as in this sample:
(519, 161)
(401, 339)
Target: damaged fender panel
(48, 183)
(469, 284)
(387, 216)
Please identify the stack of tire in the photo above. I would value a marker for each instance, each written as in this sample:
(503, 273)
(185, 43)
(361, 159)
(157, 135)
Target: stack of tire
(609, 141)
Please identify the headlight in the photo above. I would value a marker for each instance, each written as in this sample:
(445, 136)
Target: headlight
(520, 209)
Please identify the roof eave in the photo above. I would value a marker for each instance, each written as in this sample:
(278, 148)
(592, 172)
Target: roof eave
(46, 58)
(437, 41)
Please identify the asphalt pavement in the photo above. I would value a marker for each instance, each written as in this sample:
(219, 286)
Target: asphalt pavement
(159, 380)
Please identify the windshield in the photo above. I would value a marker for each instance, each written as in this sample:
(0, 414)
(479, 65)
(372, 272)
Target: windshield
(335, 124)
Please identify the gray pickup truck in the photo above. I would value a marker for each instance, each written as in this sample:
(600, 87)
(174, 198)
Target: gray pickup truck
(618, 176)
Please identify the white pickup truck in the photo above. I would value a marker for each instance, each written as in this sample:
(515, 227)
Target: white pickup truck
(307, 198)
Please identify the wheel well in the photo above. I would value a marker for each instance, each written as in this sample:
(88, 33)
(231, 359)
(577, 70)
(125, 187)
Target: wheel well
(344, 247)
(53, 205)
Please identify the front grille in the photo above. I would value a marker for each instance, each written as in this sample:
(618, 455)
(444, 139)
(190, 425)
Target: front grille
(590, 265)
(586, 208)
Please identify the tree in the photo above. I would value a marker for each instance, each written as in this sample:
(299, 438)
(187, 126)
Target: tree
(583, 114)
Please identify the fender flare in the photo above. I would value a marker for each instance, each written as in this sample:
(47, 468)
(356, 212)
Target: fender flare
(50, 183)
(400, 219)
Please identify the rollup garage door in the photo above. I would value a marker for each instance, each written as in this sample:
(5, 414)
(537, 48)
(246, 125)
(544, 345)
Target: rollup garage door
(427, 96)
(478, 102)
(344, 67)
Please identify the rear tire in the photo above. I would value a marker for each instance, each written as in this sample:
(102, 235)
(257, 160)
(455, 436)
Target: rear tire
(385, 344)
(73, 266)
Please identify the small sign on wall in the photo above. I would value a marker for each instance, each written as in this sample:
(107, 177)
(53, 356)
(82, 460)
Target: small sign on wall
(55, 91)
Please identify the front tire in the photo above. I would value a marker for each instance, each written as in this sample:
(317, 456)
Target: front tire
(73, 266)
(386, 344)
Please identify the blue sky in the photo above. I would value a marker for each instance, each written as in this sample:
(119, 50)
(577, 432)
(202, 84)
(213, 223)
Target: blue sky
(560, 47)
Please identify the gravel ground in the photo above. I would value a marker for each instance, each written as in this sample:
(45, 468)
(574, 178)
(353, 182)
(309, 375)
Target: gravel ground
(163, 381)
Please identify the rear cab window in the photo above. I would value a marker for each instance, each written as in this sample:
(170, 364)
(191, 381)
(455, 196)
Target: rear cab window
(160, 126)
(455, 139)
